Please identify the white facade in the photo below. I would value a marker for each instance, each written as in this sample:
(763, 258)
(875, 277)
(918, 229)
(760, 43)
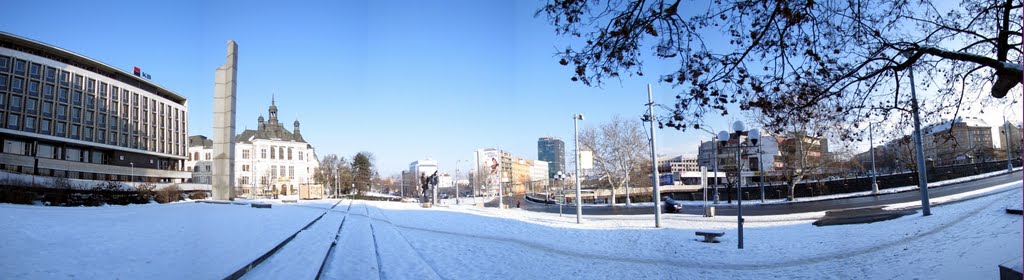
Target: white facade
(423, 168)
(539, 172)
(266, 159)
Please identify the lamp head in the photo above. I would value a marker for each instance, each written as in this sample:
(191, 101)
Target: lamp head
(738, 126)
(754, 135)
(723, 137)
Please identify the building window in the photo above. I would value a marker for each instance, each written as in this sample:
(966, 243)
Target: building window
(15, 103)
(76, 97)
(282, 171)
(17, 84)
(273, 154)
(50, 74)
(291, 171)
(12, 121)
(289, 153)
(280, 152)
(19, 67)
(48, 92)
(14, 147)
(3, 82)
(62, 112)
(31, 105)
(33, 70)
(263, 153)
(30, 124)
(44, 151)
(300, 155)
(44, 126)
(207, 156)
(62, 94)
(245, 154)
(4, 61)
(33, 88)
(61, 127)
(72, 154)
(273, 171)
(74, 131)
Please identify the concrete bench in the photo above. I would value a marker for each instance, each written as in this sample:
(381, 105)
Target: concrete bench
(289, 201)
(1014, 211)
(710, 237)
(261, 205)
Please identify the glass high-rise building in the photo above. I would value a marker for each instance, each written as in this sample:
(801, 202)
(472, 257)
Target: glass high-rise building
(552, 150)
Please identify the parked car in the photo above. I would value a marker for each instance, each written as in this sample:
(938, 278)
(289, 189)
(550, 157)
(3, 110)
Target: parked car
(671, 205)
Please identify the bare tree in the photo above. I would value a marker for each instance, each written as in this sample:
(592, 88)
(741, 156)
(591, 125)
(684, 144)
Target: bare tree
(619, 146)
(793, 59)
(802, 155)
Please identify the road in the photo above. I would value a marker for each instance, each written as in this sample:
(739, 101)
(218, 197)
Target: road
(723, 209)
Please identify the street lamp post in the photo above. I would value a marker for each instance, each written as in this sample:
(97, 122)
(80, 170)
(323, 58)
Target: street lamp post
(1006, 131)
(871, 138)
(760, 165)
(754, 136)
(561, 184)
(655, 180)
(576, 138)
(132, 179)
(922, 175)
(456, 182)
(714, 153)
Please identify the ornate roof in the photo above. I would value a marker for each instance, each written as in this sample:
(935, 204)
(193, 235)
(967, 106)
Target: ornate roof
(271, 130)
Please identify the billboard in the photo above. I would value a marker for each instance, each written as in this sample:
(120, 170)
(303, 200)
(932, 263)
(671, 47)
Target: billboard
(489, 161)
(586, 159)
(665, 179)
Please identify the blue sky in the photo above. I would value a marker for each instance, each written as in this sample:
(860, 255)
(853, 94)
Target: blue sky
(405, 80)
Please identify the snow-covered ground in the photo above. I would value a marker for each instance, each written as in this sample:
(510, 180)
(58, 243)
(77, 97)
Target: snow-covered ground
(964, 240)
(151, 241)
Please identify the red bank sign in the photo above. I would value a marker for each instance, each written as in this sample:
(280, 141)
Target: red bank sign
(139, 73)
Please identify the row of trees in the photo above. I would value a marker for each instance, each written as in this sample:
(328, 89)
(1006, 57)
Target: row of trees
(357, 174)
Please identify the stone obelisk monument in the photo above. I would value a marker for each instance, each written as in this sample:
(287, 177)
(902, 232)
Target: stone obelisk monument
(224, 126)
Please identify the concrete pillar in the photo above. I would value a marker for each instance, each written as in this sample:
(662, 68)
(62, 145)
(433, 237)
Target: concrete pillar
(224, 126)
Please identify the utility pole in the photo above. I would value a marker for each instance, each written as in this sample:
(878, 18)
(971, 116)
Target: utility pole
(654, 160)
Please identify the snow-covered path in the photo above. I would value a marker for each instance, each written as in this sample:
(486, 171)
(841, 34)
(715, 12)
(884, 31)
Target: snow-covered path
(301, 257)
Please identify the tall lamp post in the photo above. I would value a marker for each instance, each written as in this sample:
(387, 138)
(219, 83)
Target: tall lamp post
(922, 175)
(871, 138)
(456, 182)
(714, 153)
(561, 185)
(1006, 132)
(655, 180)
(760, 160)
(723, 139)
(576, 118)
(132, 179)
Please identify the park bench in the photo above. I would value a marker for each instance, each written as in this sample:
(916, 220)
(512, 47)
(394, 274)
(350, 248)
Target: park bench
(710, 237)
(289, 201)
(260, 205)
